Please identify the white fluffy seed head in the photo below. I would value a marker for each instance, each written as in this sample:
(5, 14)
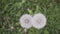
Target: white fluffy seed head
(39, 21)
(25, 21)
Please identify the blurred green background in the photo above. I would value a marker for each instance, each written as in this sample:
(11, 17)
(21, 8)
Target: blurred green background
(12, 10)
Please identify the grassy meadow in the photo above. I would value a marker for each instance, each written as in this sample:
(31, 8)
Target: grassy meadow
(12, 10)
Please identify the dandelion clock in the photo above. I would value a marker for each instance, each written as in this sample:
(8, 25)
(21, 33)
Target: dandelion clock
(39, 21)
(25, 21)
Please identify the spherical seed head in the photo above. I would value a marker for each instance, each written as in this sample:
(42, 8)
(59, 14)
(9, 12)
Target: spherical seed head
(39, 21)
(25, 21)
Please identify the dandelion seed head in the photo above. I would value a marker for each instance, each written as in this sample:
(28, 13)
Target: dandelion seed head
(39, 21)
(25, 21)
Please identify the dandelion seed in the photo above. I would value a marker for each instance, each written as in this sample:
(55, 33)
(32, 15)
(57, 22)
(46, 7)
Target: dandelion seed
(25, 21)
(39, 21)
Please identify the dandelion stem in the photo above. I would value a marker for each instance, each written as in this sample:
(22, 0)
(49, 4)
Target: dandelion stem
(24, 32)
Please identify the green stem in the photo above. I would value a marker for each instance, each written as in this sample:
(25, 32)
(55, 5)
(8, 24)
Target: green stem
(30, 12)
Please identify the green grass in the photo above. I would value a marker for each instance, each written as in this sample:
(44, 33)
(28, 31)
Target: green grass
(14, 9)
